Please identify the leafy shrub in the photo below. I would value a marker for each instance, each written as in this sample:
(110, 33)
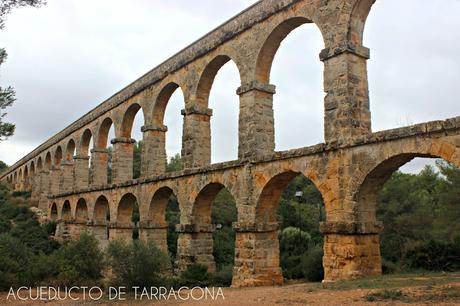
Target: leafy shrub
(137, 264)
(293, 244)
(50, 227)
(15, 260)
(196, 275)
(34, 236)
(223, 277)
(385, 295)
(312, 264)
(435, 256)
(389, 267)
(224, 247)
(79, 261)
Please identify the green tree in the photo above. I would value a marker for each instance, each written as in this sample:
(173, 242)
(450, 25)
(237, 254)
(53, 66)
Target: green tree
(174, 164)
(7, 95)
(3, 166)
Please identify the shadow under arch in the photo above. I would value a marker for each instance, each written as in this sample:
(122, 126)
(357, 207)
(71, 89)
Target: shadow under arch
(81, 211)
(66, 212)
(126, 225)
(53, 212)
(101, 214)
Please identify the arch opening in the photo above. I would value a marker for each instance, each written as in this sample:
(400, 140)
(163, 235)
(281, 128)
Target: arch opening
(128, 213)
(292, 201)
(164, 211)
(167, 112)
(216, 206)
(66, 214)
(81, 212)
(105, 134)
(289, 59)
(131, 127)
(217, 90)
(418, 209)
(70, 151)
(54, 212)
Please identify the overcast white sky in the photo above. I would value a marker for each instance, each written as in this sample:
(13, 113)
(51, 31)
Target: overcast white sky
(69, 56)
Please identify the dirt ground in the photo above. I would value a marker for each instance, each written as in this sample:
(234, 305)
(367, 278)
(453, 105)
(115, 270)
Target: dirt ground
(413, 290)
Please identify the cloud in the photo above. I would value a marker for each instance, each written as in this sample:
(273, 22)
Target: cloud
(69, 56)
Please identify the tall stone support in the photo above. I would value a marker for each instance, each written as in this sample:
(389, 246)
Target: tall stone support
(122, 160)
(156, 233)
(55, 179)
(347, 113)
(256, 123)
(67, 178)
(195, 246)
(153, 151)
(100, 231)
(121, 232)
(62, 231)
(75, 229)
(351, 250)
(257, 261)
(35, 180)
(44, 190)
(81, 172)
(196, 137)
(99, 164)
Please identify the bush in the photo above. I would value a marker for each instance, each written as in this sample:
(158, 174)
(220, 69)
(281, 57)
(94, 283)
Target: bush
(223, 277)
(79, 261)
(224, 247)
(34, 236)
(293, 244)
(15, 260)
(138, 264)
(435, 255)
(196, 275)
(312, 264)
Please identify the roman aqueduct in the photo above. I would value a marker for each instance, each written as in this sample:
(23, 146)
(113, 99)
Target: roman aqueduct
(348, 169)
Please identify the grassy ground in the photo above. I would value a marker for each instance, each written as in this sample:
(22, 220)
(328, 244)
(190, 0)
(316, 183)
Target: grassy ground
(397, 289)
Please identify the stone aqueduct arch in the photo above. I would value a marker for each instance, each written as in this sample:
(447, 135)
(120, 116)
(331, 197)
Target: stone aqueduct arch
(348, 169)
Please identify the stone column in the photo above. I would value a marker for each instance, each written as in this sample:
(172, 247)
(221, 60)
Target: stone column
(75, 229)
(81, 171)
(62, 231)
(99, 163)
(150, 231)
(153, 151)
(257, 261)
(100, 231)
(347, 114)
(67, 178)
(55, 179)
(351, 250)
(44, 190)
(194, 246)
(122, 160)
(196, 137)
(256, 123)
(120, 231)
(35, 195)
